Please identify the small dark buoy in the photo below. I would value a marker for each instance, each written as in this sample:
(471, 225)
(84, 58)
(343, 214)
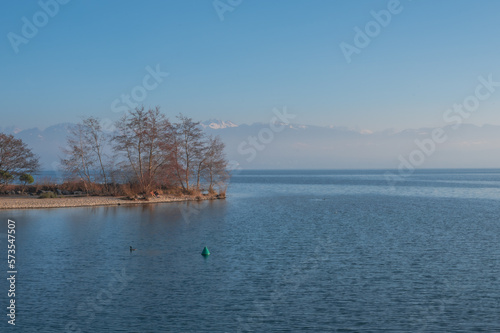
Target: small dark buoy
(132, 249)
(205, 252)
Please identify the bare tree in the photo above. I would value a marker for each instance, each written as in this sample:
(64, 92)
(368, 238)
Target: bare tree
(16, 158)
(202, 158)
(188, 149)
(85, 156)
(144, 139)
(79, 159)
(215, 163)
(97, 141)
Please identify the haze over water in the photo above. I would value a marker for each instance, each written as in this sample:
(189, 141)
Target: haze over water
(299, 251)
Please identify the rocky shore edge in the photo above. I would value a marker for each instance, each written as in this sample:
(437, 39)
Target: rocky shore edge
(27, 202)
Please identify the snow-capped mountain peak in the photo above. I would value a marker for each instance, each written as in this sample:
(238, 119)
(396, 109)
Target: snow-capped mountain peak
(217, 124)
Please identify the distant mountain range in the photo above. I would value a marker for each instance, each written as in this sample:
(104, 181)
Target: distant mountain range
(284, 146)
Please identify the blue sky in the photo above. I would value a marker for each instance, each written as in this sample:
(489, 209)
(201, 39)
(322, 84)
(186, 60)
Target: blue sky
(264, 54)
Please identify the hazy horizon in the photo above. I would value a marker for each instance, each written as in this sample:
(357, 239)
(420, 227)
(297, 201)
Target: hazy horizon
(295, 146)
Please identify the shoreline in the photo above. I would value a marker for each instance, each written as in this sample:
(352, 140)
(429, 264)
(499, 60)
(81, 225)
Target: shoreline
(7, 203)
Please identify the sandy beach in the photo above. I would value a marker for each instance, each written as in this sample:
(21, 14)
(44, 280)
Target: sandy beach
(67, 202)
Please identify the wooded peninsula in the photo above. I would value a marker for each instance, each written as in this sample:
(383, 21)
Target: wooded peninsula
(141, 157)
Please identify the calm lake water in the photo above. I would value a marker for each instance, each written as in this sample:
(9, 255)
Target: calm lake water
(292, 251)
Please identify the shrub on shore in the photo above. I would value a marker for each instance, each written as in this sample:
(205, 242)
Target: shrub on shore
(222, 193)
(47, 195)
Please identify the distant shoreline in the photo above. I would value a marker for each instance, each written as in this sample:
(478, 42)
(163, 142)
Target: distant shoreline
(7, 203)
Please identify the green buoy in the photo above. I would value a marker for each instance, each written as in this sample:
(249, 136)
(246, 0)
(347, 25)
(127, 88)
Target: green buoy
(205, 252)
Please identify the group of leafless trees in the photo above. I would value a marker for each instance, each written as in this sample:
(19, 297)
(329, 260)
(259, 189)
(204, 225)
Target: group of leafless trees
(147, 150)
